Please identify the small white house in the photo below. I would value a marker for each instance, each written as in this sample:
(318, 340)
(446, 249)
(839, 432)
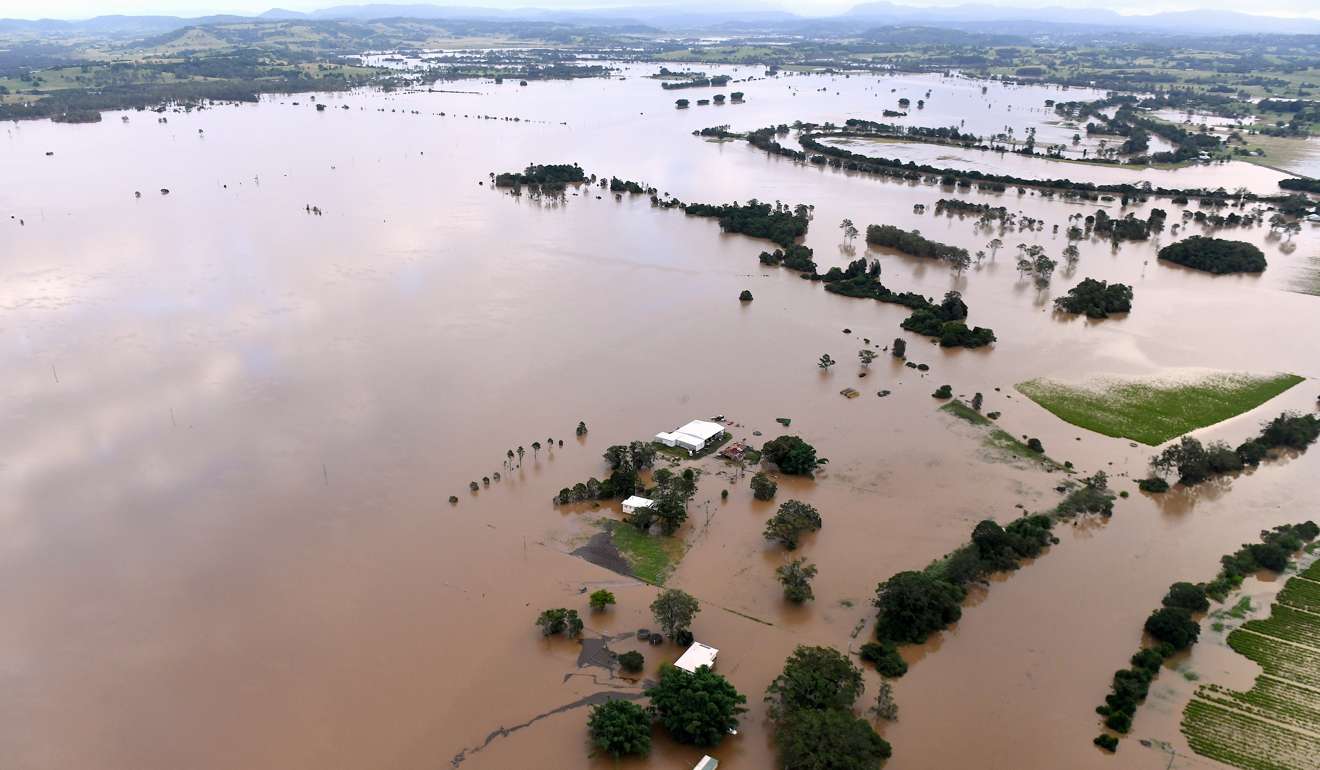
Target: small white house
(697, 655)
(635, 502)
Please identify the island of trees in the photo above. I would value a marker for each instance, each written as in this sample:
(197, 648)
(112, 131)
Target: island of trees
(1096, 299)
(1215, 255)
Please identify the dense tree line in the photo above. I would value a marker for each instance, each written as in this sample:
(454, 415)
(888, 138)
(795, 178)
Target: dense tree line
(625, 461)
(778, 223)
(552, 177)
(1193, 462)
(911, 242)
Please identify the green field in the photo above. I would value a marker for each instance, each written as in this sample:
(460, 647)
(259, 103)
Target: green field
(1154, 411)
(650, 557)
(1000, 444)
(1276, 724)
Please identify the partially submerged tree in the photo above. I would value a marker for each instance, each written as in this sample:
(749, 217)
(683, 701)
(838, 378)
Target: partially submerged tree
(813, 678)
(600, 599)
(674, 610)
(620, 728)
(793, 519)
(796, 577)
(698, 708)
(763, 487)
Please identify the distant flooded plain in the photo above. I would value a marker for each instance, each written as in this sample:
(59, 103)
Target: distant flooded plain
(231, 427)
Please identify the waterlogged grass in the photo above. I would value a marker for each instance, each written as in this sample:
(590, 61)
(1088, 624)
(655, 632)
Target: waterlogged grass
(1001, 443)
(1154, 411)
(1276, 724)
(650, 557)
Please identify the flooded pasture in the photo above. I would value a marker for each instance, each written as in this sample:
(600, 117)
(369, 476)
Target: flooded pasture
(231, 428)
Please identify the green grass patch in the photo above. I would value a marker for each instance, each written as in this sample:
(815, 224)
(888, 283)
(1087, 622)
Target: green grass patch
(964, 412)
(1154, 411)
(650, 557)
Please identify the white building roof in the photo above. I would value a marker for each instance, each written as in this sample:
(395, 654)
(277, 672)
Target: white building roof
(704, 430)
(697, 655)
(707, 763)
(638, 502)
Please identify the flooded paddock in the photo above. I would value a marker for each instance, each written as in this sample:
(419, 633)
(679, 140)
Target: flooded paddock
(231, 428)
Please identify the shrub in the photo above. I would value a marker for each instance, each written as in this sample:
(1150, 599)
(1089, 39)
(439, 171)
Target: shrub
(884, 656)
(746, 296)
(620, 728)
(793, 519)
(601, 599)
(1119, 722)
(1106, 742)
(698, 708)
(763, 487)
(631, 661)
(1154, 484)
(899, 347)
(1148, 659)
(796, 577)
(1173, 625)
(943, 391)
(1034, 445)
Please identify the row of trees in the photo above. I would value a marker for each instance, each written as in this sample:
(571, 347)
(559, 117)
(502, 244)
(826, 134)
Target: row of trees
(1193, 462)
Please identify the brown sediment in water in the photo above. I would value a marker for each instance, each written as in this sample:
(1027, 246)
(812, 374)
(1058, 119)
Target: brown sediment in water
(227, 535)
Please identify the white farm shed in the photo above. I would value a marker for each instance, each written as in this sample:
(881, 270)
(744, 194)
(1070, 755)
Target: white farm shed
(635, 502)
(694, 437)
(697, 655)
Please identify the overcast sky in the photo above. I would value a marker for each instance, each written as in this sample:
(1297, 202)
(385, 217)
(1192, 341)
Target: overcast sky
(78, 9)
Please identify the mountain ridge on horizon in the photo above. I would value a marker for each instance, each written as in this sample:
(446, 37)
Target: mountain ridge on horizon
(692, 16)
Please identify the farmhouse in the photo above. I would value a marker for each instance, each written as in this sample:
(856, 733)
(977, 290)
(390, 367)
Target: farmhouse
(635, 502)
(697, 655)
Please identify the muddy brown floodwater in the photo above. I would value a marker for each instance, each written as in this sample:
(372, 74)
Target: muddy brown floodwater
(229, 430)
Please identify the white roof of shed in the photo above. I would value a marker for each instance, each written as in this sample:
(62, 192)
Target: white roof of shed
(702, 429)
(697, 655)
(707, 763)
(639, 502)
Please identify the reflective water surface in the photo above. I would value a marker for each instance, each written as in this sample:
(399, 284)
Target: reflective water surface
(231, 428)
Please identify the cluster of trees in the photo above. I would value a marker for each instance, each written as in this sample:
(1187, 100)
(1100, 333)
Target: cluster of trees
(793, 520)
(618, 185)
(671, 494)
(946, 322)
(960, 207)
(792, 455)
(553, 177)
(1215, 255)
(1300, 184)
(625, 462)
(912, 242)
(811, 704)
(560, 621)
(794, 257)
(1097, 299)
(1173, 626)
(1127, 228)
(698, 708)
(717, 81)
(779, 223)
(1194, 462)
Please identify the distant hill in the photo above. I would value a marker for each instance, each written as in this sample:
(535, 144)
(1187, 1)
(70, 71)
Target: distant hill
(692, 16)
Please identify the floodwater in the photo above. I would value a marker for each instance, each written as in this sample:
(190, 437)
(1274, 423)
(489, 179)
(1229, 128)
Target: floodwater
(1229, 175)
(231, 427)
